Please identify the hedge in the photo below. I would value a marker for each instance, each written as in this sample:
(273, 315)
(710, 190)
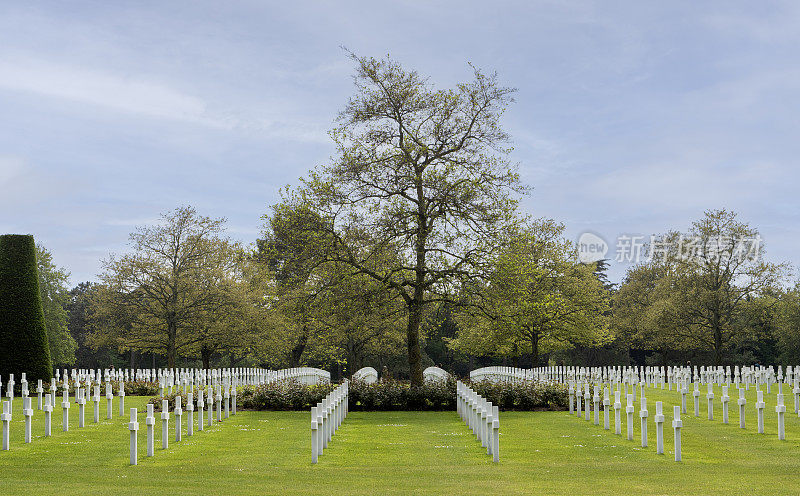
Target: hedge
(23, 335)
(393, 395)
(525, 395)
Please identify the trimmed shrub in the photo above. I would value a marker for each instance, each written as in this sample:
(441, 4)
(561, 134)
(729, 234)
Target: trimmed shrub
(397, 395)
(393, 396)
(23, 335)
(526, 395)
(281, 395)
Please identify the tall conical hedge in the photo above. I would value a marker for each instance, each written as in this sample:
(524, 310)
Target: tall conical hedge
(23, 335)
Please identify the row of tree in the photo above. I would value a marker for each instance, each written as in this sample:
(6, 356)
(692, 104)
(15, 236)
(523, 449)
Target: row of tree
(185, 293)
(408, 249)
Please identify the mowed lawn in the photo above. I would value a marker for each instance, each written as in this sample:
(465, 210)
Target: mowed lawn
(410, 453)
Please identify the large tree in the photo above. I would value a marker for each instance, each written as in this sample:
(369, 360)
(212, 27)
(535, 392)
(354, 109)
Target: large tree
(706, 278)
(289, 251)
(644, 316)
(80, 308)
(540, 298)
(327, 312)
(54, 294)
(359, 317)
(158, 297)
(421, 172)
(788, 325)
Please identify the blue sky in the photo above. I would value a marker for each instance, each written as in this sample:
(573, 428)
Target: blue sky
(631, 117)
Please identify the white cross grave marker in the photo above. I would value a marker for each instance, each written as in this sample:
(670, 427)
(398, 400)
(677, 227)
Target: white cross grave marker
(677, 424)
(48, 410)
(133, 426)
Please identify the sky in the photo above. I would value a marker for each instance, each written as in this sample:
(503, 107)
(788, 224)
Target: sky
(631, 118)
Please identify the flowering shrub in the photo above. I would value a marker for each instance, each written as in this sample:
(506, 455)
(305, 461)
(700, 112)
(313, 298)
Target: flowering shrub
(283, 395)
(526, 395)
(397, 395)
(392, 395)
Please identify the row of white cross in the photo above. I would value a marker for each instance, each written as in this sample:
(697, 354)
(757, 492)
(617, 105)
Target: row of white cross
(48, 406)
(326, 418)
(239, 375)
(80, 393)
(780, 407)
(677, 423)
(480, 416)
(651, 375)
(224, 380)
(168, 379)
(150, 420)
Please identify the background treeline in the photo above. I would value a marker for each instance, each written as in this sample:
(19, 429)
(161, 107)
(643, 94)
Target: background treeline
(186, 296)
(409, 249)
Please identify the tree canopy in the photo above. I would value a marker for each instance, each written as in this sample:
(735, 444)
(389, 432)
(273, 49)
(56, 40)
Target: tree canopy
(539, 297)
(176, 292)
(419, 172)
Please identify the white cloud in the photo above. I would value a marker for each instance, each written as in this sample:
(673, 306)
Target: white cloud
(84, 85)
(148, 98)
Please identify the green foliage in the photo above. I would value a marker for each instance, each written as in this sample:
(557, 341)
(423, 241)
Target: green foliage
(23, 331)
(787, 325)
(402, 395)
(697, 291)
(390, 396)
(278, 395)
(440, 395)
(283, 395)
(419, 190)
(54, 293)
(184, 290)
(539, 298)
(526, 395)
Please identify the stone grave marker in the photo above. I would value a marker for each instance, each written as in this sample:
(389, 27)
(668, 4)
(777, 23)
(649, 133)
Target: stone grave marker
(5, 417)
(677, 424)
(629, 409)
(65, 411)
(780, 409)
(190, 409)
(659, 420)
(178, 417)
(48, 410)
(150, 422)
(643, 414)
(133, 427)
(164, 424)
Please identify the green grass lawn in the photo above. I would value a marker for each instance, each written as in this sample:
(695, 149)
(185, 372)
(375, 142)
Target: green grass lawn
(410, 452)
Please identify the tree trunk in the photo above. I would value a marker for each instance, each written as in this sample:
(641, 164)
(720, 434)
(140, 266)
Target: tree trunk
(297, 351)
(717, 346)
(172, 334)
(534, 350)
(351, 361)
(205, 355)
(412, 335)
(514, 356)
